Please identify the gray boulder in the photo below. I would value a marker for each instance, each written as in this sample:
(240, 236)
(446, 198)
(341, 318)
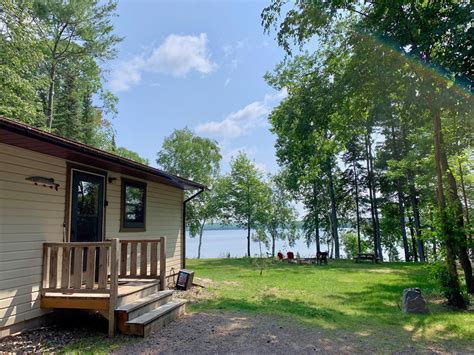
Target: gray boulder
(413, 301)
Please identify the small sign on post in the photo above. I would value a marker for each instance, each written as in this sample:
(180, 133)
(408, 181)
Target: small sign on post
(185, 279)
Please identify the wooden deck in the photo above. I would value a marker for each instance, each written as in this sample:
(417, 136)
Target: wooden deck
(95, 301)
(101, 275)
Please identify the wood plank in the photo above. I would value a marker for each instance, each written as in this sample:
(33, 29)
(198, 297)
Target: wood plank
(78, 303)
(71, 292)
(65, 267)
(78, 244)
(154, 259)
(139, 240)
(123, 259)
(103, 251)
(77, 275)
(45, 282)
(90, 270)
(143, 259)
(162, 263)
(114, 265)
(53, 267)
(133, 259)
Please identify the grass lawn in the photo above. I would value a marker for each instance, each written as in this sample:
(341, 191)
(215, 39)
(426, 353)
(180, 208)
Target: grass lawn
(362, 298)
(349, 302)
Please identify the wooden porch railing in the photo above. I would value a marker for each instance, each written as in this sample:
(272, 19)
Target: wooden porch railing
(95, 267)
(77, 267)
(139, 259)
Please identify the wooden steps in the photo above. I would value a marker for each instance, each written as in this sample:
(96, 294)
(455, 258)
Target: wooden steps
(151, 312)
(130, 292)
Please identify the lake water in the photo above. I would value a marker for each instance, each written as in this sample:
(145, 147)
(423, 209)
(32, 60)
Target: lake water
(220, 243)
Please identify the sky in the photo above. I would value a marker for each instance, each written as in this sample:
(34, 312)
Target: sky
(195, 64)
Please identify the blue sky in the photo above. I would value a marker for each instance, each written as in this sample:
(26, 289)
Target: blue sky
(198, 64)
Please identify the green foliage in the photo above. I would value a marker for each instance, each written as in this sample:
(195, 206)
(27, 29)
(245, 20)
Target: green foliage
(351, 248)
(395, 75)
(246, 196)
(439, 272)
(342, 296)
(20, 61)
(185, 154)
(49, 66)
(390, 230)
(280, 219)
(126, 153)
(68, 119)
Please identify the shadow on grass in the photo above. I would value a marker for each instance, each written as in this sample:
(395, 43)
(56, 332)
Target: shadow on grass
(339, 325)
(373, 303)
(346, 265)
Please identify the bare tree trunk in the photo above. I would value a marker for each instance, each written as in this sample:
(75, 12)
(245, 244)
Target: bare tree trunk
(376, 208)
(373, 197)
(403, 229)
(200, 239)
(248, 237)
(356, 185)
(334, 223)
(318, 243)
(316, 217)
(273, 245)
(455, 298)
(413, 239)
(332, 248)
(456, 205)
(49, 108)
(416, 216)
(464, 195)
(401, 203)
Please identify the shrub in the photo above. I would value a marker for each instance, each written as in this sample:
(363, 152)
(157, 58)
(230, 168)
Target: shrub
(439, 273)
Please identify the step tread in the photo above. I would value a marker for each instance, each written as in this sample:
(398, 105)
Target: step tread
(126, 290)
(160, 311)
(141, 302)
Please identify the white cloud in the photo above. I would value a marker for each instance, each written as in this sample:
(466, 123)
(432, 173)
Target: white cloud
(126, 74)
(238, 123)
(227, 81)
(177, 56)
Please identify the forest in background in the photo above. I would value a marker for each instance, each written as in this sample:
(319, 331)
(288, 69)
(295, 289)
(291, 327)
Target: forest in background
(51, 68)
(376, 128)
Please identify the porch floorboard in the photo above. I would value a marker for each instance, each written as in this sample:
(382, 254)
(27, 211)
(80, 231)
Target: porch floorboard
(99, 301)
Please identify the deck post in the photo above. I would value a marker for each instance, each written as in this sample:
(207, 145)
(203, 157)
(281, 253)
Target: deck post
(162, 263)
(44, 271)
(114, 262)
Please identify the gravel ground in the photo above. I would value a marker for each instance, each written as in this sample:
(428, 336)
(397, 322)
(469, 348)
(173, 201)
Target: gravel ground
(75, 326)
(236, 333)
(221, 332)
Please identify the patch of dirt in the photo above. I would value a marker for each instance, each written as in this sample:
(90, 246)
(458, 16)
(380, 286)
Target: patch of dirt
(199, 293)
(242, 333)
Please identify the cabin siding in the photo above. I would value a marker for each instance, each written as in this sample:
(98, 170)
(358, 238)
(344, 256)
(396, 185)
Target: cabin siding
(31, 215)
(164, 215)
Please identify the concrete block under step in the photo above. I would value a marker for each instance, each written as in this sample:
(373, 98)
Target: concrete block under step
(155, 319)
(143, 305)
